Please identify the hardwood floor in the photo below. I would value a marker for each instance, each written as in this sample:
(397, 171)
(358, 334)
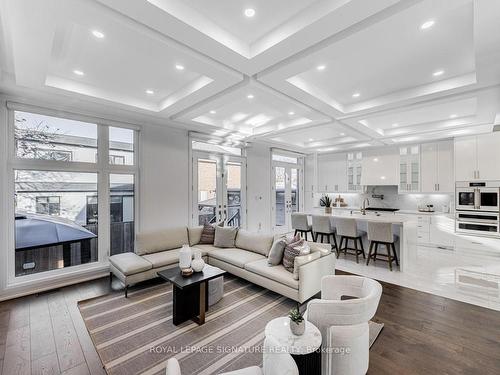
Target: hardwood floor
(423, 334)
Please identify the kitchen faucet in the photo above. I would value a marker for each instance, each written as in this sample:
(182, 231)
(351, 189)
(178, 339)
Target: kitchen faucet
(363, 206)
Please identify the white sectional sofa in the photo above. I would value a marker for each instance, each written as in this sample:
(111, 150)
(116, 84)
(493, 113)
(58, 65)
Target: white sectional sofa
(158, 250)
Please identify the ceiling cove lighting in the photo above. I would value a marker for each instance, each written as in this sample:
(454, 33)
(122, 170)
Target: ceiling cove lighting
(250, 96)
(78, 72)
(249, 12)
(98, 34)
(356, 95)
(438, 73)
(427, 25)
(320, 67)
(179, 67)
(150, 92)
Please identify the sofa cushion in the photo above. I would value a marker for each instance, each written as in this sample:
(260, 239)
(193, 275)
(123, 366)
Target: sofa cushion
(161, 240)
(130, 263)
(225, 236)
(276, 273)
(194, 234)
(256, 242)
(163, 258)
(276, 253)
(205, 248)
(236, 257)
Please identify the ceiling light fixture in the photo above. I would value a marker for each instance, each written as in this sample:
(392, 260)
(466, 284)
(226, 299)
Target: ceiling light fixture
(356, 95)
(149, 92)
(438, 73)
(311, 139)
(453, 116)
(321, 67)
(395, 125)
(427, 25)
(342, 134)
(213, 112)
(78, 72)
(249, 12)
(250, 96)
(98, 34)
(179, 67)
(291, 113)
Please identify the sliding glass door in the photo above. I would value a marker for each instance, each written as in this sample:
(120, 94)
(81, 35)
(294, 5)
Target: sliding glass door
(218, 189)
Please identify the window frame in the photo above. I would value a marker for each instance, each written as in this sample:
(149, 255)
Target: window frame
(102, 167)
(48, 203)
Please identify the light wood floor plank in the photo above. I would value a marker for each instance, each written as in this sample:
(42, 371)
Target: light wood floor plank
(47, 365)
(41, 326)
(17, 359)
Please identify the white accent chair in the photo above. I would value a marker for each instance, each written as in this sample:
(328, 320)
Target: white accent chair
(275, 362)
(344, 323)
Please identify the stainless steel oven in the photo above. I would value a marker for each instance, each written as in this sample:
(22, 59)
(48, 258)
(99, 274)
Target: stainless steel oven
(478, 196)
(476, 222)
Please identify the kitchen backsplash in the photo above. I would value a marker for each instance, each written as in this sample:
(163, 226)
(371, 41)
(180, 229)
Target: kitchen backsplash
(392, 199)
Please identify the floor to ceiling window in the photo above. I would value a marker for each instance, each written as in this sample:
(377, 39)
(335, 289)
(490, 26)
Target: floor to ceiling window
(74, 191)
(219, 185)
(287, 189)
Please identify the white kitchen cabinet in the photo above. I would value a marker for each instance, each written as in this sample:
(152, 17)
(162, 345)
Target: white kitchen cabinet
(354, 171)
(436, 231)
(437, 167)
(409, 169)
(332, 174)
(310, 181)
(477, 157)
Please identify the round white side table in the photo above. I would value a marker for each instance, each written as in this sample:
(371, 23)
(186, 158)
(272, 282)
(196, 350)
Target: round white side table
(305, 349)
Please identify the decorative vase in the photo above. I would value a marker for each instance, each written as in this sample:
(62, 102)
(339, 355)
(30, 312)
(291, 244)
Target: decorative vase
(198, 263)
(185, 255)
(297, 329)
(328, 210)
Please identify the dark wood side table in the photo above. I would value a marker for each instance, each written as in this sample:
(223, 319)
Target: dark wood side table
(190, 294)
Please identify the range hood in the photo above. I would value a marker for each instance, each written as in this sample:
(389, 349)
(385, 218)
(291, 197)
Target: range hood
(380, 170)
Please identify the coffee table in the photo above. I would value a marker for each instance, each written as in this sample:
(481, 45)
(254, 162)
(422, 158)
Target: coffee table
(190, 294)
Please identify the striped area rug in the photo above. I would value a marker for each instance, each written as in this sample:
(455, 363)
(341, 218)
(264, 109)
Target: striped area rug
(137, 336)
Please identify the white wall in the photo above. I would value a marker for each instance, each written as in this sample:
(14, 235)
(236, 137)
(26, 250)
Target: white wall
(259, 188)
(163, 174)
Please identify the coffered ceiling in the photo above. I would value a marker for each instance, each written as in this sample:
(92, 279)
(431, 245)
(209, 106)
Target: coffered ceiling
(308, 75)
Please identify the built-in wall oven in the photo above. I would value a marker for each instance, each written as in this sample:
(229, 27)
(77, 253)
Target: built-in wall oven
(478, 208)
(478, 196)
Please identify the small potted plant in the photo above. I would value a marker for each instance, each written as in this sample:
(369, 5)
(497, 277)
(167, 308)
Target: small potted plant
(326, 202)
(297, 322)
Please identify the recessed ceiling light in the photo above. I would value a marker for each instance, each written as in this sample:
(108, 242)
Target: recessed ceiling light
(453, 116)
(179, 67)
(250, 96)
(291, 113)
(150, 92)
(395, 125)
(78, 72)
(213, 112)
(438, 73)
(249, 12)
(321, 67)
(375, 160)
(427, 25)
(342, 134)
(356, 95)
(311, 139)
(98, 34)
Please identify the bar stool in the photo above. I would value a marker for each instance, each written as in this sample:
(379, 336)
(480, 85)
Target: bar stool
(347, 229)
(380, 233)
(322, 225)
(300, 224)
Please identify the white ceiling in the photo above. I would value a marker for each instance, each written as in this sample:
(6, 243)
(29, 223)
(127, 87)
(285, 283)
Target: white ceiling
(376, 49)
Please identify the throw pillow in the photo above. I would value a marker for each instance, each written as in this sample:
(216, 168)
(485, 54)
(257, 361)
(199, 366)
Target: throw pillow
(276, 253)
(225, 237)
(207, 235)
(291, 251)
(301, 260)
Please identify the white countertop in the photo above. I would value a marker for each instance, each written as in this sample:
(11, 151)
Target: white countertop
(370, 216)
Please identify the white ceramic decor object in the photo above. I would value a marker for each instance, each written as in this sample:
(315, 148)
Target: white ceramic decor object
(185, 255)
(198, 263)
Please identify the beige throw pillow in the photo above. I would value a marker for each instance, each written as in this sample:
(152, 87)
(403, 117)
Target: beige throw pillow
(225, 236)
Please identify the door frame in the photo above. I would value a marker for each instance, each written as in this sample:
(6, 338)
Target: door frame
(221, 161)
(301, 195)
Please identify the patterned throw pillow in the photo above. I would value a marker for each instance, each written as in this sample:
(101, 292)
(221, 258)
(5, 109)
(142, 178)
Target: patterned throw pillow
(207, 235)
(291, 251)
